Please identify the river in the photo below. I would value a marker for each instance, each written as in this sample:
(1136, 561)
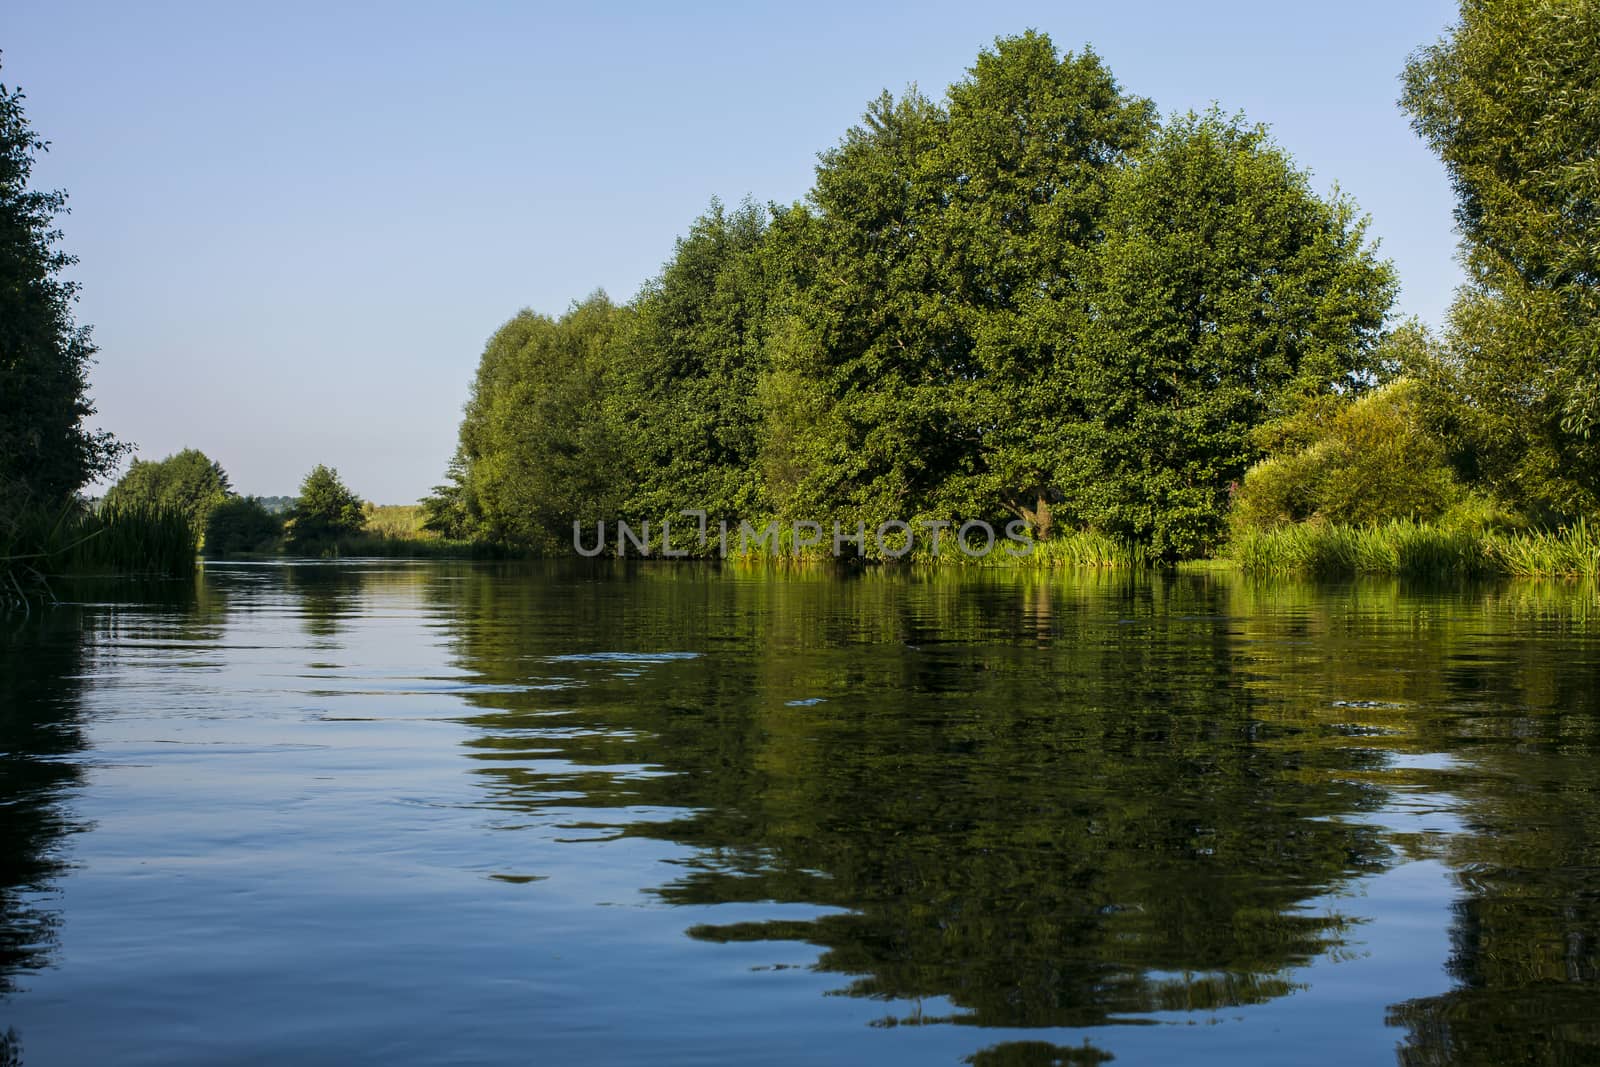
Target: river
(478, 813)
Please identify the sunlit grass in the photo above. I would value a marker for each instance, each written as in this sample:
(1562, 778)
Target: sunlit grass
(1073, 549)
(397, 521)
(1416, 549)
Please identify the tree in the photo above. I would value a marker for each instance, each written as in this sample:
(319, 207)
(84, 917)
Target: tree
(326, 509)
(536, 450)
(1030, 150)
(1507, 100)
(46, 451)
(187, 480)
(929, 271)
(1224, 294)
(684, 391)
(864, 343)
(1024, 301)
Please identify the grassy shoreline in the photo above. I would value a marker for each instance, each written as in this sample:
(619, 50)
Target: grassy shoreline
(1401, 548)
(37, 547)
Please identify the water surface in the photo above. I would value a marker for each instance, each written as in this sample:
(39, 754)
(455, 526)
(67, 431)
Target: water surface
(483, 814)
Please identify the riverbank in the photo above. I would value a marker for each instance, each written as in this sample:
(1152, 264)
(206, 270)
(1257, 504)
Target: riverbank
(1401, 548)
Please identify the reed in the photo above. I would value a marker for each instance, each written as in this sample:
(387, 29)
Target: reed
(1080, 550)
(150, 540)
(1571, 551)
(38, 544)
(1404, 548)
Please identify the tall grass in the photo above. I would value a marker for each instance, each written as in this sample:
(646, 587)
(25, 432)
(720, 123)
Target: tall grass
(1571, 551)
(401, 522)
(38, 544)
(1075, 549)
(1405, 548)
(151, 540)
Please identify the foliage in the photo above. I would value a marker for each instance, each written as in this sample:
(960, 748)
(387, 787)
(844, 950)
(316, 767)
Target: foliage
(1078, 549)
(1360, 461)
(1025, 300)
(536, 450)
(684, 391)
(46, 452)
(444, 511)
(152, 539)
(38, 543)
(399, 521)
(325, 510)
(936, 274)
(278, 505)
(1225, 293)
(187, 480)
(1413, 549)
(1508, 102)
(1567, 552)
(241, 524)
(1403, 547)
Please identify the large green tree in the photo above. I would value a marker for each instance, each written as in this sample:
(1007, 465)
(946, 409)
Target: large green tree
(684, 388)
(536, 450)
(1510, 100)
(46, 451)
(1225, 293)
(931, 267)
(864, 347)
(1025, 300)
(1031, 148)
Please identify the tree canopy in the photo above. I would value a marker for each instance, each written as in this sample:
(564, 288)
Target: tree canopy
(1225, 292)
(47, 452)
(1030, 299)
(1509, 102)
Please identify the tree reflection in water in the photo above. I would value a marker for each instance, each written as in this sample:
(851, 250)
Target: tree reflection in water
(1038, 803)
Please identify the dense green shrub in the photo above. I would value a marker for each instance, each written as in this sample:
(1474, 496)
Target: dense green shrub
(241, 524)
(1364, 461)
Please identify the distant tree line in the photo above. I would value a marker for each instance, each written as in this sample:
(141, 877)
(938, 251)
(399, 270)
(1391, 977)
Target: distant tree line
(225, 523)
(1036, 299)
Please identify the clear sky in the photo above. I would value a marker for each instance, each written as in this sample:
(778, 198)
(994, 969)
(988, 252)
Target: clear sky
(298, 223)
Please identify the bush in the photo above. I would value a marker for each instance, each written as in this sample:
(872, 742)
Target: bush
(241, 524)
(1369, 461)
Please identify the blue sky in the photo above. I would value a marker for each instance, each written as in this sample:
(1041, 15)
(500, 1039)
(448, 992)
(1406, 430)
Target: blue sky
(299, 223)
